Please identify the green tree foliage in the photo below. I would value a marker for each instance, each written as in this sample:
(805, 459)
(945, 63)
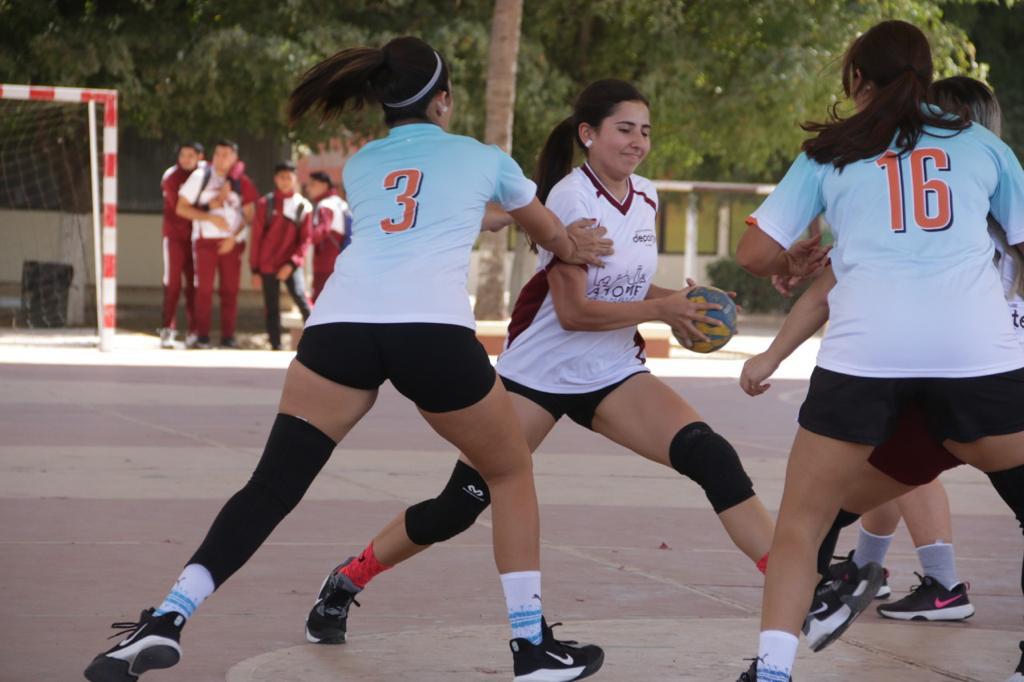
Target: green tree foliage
(729, 80)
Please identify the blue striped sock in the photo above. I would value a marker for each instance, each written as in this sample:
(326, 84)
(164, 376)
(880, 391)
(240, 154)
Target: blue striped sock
(522, 597)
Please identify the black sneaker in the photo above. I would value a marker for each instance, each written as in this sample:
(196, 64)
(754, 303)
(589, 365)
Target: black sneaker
(553, 660)
(931, 601)
(150, 644)
(1018, 675)
(884, 591)
(838, 601)
(842, 569)
(202, 343)
(230, 343)
(751, 675)
(327, 622)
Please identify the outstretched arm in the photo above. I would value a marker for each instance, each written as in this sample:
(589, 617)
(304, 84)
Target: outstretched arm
(807, 316)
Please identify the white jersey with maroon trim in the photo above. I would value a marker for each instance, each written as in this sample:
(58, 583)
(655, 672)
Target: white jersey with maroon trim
(539, 352)
(1007, 267)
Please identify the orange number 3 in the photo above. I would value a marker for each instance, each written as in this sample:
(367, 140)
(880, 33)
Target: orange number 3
(407, 199)
(923, 189)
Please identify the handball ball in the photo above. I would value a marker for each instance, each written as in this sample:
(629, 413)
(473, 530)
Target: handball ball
(720, 333)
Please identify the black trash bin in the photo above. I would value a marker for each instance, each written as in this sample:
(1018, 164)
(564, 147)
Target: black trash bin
(44, 293)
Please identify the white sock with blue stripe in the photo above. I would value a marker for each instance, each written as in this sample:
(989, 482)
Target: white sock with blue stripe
(193, 586)
(776, 653)
(522, 596)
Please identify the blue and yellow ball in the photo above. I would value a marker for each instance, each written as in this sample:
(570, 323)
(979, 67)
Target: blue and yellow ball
(718, 334)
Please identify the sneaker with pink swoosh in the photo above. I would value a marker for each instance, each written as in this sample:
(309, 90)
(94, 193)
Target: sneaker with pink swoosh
(931, 600)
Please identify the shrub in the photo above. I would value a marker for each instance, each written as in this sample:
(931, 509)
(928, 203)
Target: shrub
(755, 294)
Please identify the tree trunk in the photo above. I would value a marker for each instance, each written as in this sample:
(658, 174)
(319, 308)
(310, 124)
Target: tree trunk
(500, 98)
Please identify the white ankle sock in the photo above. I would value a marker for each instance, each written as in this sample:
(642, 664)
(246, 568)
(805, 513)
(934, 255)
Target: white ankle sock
(939, 561)
(871, 547)
(776, 653)
(522, 597)
(193, 586)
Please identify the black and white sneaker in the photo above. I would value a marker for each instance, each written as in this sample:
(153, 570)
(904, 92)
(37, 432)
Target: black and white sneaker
(554, 660)
(930, 600)
(838, 601)
(751, 674)
(884, 591)
(1018, 675)
(150, 644)
(842, 569)
(327, 622)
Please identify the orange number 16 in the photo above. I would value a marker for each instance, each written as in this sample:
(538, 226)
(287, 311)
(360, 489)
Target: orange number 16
(407, 199)
(923, 188)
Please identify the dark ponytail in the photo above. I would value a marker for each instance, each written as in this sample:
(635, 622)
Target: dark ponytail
(359, 76)
(596, 103)
(895, 59)
(555, 160)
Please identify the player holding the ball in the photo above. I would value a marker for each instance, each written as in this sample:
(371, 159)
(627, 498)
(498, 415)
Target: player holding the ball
(573, 349)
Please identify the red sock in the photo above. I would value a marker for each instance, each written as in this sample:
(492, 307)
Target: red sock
(364, 567)
(762, 564)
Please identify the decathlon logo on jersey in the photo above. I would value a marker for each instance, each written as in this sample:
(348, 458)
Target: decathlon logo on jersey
(644, 236)
(623, 287)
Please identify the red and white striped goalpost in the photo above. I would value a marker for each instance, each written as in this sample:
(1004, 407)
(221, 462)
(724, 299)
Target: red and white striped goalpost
(105, 240)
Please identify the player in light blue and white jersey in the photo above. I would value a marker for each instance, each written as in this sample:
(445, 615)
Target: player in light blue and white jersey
(395, 309)
(573, 347)
(917, 313)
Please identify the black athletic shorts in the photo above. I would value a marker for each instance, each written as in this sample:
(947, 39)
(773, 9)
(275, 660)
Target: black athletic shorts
(440, 367)
(867, 409)
(580, 407)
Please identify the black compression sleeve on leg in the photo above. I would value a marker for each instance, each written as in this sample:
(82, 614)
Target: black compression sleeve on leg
(707, 458)
(828, 545)
(463, 499)
(1010, 486)
(295, 452)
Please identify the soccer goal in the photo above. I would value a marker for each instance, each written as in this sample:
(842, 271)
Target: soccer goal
(58, 221)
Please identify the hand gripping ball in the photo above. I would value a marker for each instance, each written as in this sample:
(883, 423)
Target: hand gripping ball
(720, 333)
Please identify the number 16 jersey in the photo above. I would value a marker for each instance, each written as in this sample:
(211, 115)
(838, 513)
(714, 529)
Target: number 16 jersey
(417, 198)
(916, 293)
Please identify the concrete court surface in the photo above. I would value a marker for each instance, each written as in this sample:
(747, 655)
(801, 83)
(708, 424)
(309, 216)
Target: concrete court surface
(113, 465)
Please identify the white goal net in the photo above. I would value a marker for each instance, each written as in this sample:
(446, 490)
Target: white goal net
(58, 147)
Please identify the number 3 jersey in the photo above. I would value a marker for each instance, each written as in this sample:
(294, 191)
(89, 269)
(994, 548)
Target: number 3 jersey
(417, 198)
(916, 293)
(539, 352)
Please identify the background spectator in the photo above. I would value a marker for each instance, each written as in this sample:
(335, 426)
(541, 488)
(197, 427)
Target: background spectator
(177, 246)
(280, 237)
(220, 204)
(332, 227)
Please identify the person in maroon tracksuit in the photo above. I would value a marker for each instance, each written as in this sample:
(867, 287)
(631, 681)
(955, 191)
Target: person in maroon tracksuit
(220, 200)
(280, 237)
(332, 227)
(177, 246)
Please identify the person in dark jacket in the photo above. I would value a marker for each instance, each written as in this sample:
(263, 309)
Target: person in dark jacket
(281, 234)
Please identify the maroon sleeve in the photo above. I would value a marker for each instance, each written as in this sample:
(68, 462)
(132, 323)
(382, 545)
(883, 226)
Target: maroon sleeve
(249, 193)
(305, 237)
(323, 225)
(256, 234)
(170, 196)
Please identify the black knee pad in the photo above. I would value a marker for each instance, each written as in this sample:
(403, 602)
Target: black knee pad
(295, 452)
(704, 456)
(453, 511)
